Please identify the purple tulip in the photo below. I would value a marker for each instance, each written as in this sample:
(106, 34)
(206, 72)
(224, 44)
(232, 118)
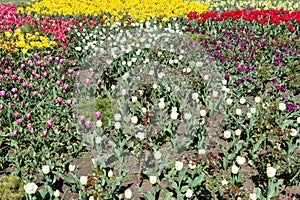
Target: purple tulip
(247, 78)
(14, 90)
(38, 63)
(239, 81)
(88, 124)
(81, 119)
(44, 133)
(66, 87)
(35, 55)
(20, 78)
(30, 86)
(28, 115)
(291, 107)
(56, 59)
(15, 134)
(49, 123)
(24, 84)
(58, 83)
(97, 115)
(22, 66)
(50, 59)
(87, 81)
(70, 71)
(277, 87)
(19, 121)
(2, 93)
(35, 93)
(70, 148)
(68, 102)
(7, 71)
(13, 77)
(58, 100)
(99, 83)
(16, 114)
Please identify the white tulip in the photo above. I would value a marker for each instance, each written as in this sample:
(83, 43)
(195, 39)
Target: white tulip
(117, 117)
(152, 179)
(203, 113)
(178, 165)
(224, 82)
(118, 125)
(195, 96)
(293, 132)
(243, 100)
(282, 106)
(174, 115)
(253, 110)
(224, 182)
(189, 193)
(133, 99)
(99, 123)
(206, 77)
(128, 194)
(71, 168)
(238, 132)
(234, 169)
(249, 115)
(161, 105)
(298, 120)
(227, 134)
(257, 99)
(187, 116)
(229, 101)
(144, 110)
(140, 135)
(238, 111)
(154, 86)
(192, 165)
(134, 119)
(56, 193)
(253, 196)
(240, 160)
(46, 169)
(83, 180)
(271, 172)
(110, 174)
(201, 151)
(30, 188)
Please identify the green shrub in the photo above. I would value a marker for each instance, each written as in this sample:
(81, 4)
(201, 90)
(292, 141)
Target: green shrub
(11, 188)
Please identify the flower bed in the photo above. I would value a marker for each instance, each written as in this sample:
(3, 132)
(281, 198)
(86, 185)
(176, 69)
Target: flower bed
(171, 102)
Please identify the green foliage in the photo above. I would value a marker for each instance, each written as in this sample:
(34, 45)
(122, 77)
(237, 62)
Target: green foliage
(105, 107)
(11, 188)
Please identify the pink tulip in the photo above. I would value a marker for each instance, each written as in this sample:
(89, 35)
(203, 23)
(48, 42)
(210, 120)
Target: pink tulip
(1, 107)
(49, 123)
(58, 100)
(2, 93)
(14, 90)
(19, 121)
(28, 115)
(68, 102)
(81, 119)
(15, 134)
(16, 96)
(88, 124)
(97, 115)
(16, 114)
(35, 93)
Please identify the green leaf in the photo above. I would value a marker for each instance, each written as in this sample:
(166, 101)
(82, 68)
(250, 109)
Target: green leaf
(66, 178)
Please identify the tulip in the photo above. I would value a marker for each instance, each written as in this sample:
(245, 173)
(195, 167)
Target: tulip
(97, 115)
(30, 188)
(49, 123)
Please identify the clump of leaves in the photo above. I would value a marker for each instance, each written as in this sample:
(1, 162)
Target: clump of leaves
(104, 106)
(12, 188)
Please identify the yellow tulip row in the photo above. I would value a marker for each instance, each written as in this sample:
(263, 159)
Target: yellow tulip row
(23, 41)
(115, 10)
